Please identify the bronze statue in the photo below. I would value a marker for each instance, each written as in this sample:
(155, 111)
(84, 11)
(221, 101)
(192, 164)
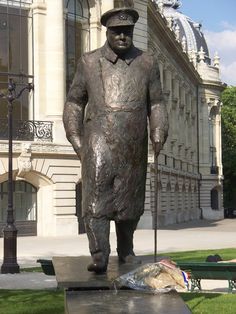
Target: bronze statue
(115, 89)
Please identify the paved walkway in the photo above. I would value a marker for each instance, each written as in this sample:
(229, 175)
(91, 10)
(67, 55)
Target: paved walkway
(181, 237)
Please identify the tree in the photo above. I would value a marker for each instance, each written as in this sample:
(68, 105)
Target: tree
(228, 116)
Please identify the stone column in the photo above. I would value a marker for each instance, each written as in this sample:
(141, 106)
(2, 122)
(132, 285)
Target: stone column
(55, 66)
(218, 143)
(204, 140)
(39, 11)
(106, 5)
(95, 27)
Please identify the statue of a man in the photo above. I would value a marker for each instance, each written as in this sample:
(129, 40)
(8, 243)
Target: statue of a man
(115, 89)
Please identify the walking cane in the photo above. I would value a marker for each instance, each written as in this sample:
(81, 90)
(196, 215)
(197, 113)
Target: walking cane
(155, 204)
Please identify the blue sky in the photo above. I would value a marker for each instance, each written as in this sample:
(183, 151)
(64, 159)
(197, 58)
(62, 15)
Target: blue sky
(218, 20)
(211, 13)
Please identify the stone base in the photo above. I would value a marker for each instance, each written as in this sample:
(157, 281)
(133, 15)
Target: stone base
(123, 301)
(211, 214)
(71, 272)
(90, 293)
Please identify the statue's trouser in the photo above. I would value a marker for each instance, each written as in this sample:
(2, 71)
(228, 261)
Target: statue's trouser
(124, 232)
(98, 231)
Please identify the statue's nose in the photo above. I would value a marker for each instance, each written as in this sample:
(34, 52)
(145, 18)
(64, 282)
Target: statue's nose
(122, 36)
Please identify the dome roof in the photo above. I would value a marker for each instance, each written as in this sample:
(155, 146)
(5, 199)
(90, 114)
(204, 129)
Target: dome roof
(189, 30)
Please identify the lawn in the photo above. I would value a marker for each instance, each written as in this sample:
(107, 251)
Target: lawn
(31, 302)
(200, 256)
(210, 303)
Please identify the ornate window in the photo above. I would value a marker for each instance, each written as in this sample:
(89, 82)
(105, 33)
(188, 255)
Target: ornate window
(25, 201)
(77, 35)
(16, 56)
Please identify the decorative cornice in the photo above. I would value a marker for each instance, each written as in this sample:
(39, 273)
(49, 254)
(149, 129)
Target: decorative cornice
(167, 37)
(213, 84)
(39, 7)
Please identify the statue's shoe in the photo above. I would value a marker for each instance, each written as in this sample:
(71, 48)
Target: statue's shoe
(98, 268)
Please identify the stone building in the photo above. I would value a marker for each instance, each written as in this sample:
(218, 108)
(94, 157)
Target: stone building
(41, 41)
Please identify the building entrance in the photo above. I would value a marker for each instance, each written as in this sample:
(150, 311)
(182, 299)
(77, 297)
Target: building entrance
(24, 204)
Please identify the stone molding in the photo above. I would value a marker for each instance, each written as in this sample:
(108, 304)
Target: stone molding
(48, 148)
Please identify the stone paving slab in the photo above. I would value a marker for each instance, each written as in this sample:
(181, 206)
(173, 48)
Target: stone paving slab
(27, 280)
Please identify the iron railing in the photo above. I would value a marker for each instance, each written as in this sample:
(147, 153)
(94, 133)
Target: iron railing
(27, 130)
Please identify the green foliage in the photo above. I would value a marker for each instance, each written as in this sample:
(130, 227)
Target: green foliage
(31, 302)
(228, 115)
(31, 270)
(228, 97)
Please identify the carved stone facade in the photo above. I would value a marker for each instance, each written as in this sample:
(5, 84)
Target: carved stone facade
(189, 176)
(190, 166)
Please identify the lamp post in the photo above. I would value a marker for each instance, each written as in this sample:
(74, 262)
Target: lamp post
(9, 231)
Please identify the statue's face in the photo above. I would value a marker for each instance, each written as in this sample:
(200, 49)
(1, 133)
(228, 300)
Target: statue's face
(120, 38)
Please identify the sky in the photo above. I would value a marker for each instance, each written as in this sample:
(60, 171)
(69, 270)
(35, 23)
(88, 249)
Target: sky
(218, 19)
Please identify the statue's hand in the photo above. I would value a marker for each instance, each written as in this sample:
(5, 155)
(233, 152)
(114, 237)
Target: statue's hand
(78, 151)
(157, 146)
(76, 143)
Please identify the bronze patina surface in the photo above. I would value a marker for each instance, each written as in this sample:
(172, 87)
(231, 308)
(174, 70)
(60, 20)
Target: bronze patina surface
(87, 292)
(116, 89)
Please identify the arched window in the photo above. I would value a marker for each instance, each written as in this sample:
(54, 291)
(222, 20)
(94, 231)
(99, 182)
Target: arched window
(159, 197)
(168, 196)
(214, 199)
(77, 35)
(176, 198)
(189, 197)
(24, 201)
(213, 138)
(195, 198)
(183, 198)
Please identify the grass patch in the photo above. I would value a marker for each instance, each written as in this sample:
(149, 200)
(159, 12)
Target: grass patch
(200, 255)
(52, 301)
(209, 303)
(32, 270)
(31, 301)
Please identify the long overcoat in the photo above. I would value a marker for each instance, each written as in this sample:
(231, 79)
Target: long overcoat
(106, 112)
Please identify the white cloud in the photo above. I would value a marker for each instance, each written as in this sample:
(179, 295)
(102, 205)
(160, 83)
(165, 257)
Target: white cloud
(227, 25)
(228, 73)
(224, 43)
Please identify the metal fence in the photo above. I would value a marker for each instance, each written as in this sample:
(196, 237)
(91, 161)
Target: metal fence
(27, 130)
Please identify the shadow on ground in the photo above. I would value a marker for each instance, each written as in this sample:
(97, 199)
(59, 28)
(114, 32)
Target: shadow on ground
(193, 224)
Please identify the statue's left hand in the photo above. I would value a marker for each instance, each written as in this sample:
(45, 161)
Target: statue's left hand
(76, 143)
(157, 146)
(78, 152)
